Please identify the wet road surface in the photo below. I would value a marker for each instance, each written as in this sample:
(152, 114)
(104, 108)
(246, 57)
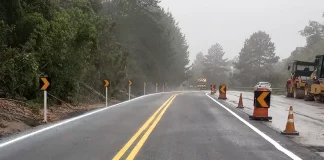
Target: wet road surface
(161, 126)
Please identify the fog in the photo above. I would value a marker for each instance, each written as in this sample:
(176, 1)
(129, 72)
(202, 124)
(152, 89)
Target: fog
(230, 22)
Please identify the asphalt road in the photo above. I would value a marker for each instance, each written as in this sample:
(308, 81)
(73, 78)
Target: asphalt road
(189, 126)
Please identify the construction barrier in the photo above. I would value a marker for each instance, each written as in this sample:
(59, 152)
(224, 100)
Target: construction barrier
(290, 126)
(222, 91)
(240, 104)
(261, 105)
(212, 90)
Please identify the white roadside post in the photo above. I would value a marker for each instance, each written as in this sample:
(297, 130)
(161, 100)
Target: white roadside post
(156, 85)
(144, 87)
(45, 106)
(129, 89)
(106, 86)
(106, 96)
(129, 92)
(163, 87)
(45, 83)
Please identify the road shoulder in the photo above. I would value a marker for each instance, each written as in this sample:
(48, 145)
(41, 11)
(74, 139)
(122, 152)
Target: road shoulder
(284, 141)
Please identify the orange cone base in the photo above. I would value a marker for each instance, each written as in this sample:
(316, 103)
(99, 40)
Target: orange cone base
(212, 93)
(289, 133)
(222, 96)
(260, 114)
(260, 118)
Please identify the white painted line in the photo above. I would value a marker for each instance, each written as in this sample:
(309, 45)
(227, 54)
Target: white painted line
(70, 120)
(273, 142)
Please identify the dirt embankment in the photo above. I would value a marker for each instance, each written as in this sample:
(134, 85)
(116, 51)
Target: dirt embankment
(15, 116)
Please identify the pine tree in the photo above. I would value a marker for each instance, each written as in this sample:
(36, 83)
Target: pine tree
(256, 59)
(215, 65)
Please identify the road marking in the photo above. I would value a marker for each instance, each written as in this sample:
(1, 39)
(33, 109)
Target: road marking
(263, 135)
(11, 141)
(138, 133)
(141, 142)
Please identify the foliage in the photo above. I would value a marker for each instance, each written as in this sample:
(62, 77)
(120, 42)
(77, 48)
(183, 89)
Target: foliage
(212, 66)
(256, 59)
(215, 65)
(157, 50)
(314, 34)
(87, 41)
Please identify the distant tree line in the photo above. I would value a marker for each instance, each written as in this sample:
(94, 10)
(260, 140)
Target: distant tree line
(212, 66)
(78, 42)
(257, 60)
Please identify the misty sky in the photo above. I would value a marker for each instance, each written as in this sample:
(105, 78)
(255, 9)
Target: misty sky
(230, 22)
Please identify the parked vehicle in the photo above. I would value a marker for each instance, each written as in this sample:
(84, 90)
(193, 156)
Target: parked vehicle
(263, 85)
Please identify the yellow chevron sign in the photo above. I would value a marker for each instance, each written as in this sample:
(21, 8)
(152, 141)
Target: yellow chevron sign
(45, 83)
(130, 82)
(106, 83)
(262, 99)
(222, 89)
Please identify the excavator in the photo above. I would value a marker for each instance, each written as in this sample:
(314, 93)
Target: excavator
(314, 88)
(300, 73)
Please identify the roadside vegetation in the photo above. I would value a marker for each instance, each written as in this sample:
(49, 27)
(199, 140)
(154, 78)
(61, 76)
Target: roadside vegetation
(78, 44)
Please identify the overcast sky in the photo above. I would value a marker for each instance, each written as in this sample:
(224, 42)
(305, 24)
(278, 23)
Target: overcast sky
(230, 22)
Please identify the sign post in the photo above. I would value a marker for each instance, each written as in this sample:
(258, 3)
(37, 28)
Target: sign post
(163, 87)
(45, 84)
(106, 86)
(156, 85)
(129, 89)
(144, 87)
(45, 106)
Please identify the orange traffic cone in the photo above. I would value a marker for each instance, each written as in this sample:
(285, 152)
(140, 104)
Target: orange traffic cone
(290, 126)
(240, 104)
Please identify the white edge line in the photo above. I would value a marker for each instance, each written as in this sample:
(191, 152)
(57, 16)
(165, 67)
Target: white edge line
(71, 120)
(273, 142)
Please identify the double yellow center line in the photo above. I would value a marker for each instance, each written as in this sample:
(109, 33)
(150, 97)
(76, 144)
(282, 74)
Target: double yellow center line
(156, 117)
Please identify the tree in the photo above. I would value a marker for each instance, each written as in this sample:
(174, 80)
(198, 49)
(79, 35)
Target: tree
(215, 66)
(256, 59)
(197, 68)
(158, 51)
(314, 34)
(80, 42)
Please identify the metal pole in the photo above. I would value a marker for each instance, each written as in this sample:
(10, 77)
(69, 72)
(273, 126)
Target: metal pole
(45, 106)
(155, 89)
(129, 92)
(163, 87)
(144, 89)
(106, 96)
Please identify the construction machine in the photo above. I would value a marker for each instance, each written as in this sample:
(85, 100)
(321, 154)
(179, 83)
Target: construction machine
(314, 89)
(300, 73)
